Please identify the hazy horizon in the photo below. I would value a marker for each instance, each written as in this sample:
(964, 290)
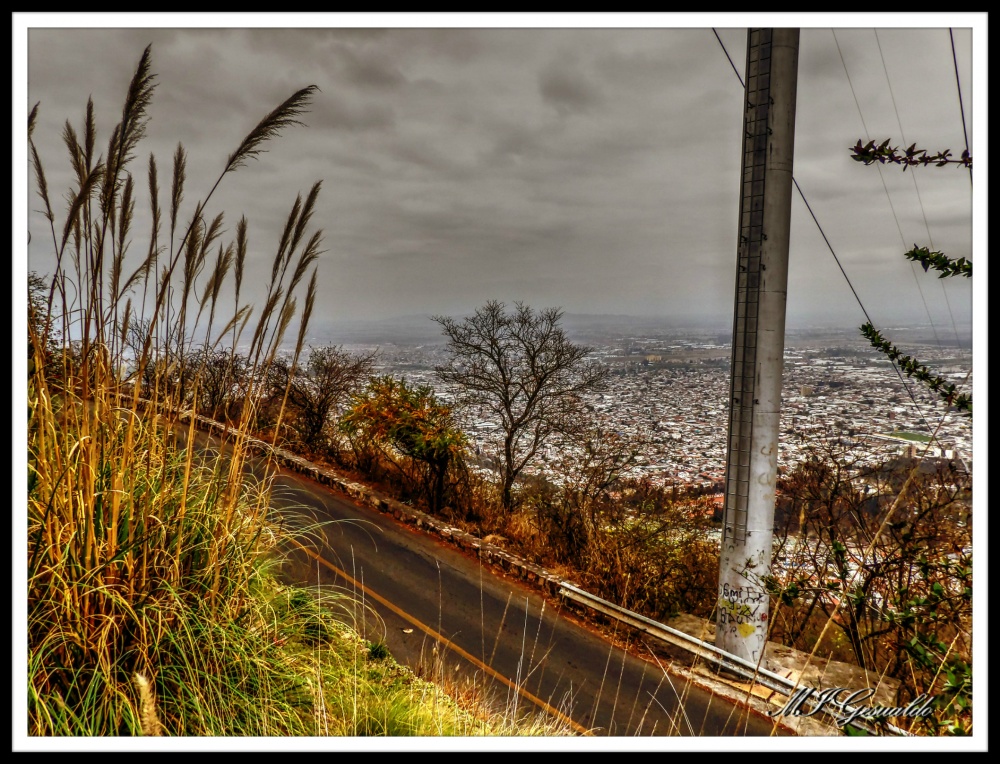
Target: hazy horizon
(591, 328)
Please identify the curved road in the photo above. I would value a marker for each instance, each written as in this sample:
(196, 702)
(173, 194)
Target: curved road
(443, 613)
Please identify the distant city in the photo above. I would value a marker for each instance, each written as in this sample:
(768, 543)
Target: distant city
(670, 388)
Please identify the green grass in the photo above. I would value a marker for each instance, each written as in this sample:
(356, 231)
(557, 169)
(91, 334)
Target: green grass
(914, 436)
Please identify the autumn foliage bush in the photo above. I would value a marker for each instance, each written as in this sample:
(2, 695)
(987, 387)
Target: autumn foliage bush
(408, 430)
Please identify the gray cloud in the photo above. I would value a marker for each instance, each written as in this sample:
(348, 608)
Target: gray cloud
(595, 169)
(369, 67)
(336, 113)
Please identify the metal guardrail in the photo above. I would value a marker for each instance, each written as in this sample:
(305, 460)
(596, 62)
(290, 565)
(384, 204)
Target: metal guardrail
(715, 655)
(702, 649)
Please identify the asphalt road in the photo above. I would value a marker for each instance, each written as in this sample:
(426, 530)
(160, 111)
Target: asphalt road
(448, 617)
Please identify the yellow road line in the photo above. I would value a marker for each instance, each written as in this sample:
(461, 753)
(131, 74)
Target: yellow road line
(455, 648)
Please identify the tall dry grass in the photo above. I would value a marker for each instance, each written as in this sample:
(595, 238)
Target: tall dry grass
(137, 550)
(152, 608)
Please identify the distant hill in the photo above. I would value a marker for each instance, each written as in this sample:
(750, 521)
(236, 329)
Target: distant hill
(400, 330)
(597, 328)
(421, 329)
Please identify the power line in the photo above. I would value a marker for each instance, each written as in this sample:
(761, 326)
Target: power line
(965, 133)
(902, 136)
(958, 83)
(799, 189)
(899, 374)
(885, 187)
(735, 70)
(868, 137)
(920, 202)
(830, 247)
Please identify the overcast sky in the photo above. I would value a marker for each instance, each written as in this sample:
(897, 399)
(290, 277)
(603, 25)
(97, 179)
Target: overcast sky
(592, 169)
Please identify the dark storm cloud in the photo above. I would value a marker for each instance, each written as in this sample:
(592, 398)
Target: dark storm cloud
(566, 89)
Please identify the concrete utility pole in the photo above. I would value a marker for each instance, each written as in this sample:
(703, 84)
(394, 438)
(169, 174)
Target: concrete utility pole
(758, 340)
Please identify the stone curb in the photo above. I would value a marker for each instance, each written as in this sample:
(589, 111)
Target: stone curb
(488, 552)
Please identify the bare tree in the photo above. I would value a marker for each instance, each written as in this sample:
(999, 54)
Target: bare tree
(523, 370)
(222, 382)
(576, 508)
(320, 387)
